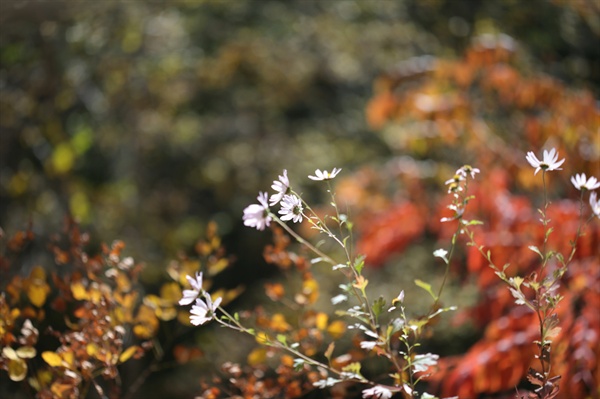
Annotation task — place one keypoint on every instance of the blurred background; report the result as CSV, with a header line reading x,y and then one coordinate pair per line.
x,y
146,120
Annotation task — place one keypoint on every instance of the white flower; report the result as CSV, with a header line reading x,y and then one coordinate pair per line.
x,y
441,253
467,170
580,182
595,204
257,215
368,345
549,162
377,392
291,208
282,187
324,175
339,299
190,296
204,311
457,178
422,362
399,298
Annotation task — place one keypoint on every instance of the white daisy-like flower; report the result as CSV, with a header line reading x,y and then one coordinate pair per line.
x,y
190,296
324,175
595,204
467,170
549,161
399,298
258,215
204,311
457,178
281,186
291,208
377,392
582,183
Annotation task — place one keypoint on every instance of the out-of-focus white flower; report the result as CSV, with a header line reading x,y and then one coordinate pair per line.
x,y
257,215
281,186
377,392
368,345
324,175
582,183
291,208
549,161
467,170
204,311
595,204
190,296
422,362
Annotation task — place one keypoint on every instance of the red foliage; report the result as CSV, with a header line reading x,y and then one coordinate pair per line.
x,y
391,231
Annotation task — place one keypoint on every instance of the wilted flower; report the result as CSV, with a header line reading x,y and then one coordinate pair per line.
x,y
257,215
549,162
281,187
595,204
190,295
324,175
204,311
291,208
581,183
377,392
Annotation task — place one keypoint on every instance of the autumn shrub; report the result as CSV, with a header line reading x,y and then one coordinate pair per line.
x,y
509,226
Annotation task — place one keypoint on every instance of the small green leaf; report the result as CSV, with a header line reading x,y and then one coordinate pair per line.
x,y
536,250
426,287
378,306
359,263
282,339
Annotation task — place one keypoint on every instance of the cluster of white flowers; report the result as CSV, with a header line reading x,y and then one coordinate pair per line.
x,y
454,184
260,216
580,181
204,309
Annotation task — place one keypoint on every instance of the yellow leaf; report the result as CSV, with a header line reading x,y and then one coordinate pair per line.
x,y
91,349
310,288
79,292
262,338
279,324
166,314
52,358
322,319
68,358
9,353
37,292
147,323
63,158
218,266
26,352
337,329
170,293
127,354
38,273
257,356
17,369
123,282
